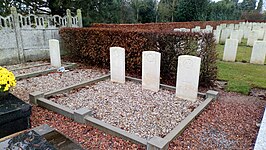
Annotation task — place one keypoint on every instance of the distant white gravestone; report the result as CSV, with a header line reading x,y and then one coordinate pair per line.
x,y
253,36
151,63
54,49
258,52
117,64
187,80
230,50
234,34
225,34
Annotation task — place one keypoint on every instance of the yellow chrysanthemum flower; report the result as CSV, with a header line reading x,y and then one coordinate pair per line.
x,y
7,79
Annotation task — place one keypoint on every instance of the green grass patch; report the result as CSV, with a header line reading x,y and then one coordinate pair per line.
x,y
242,77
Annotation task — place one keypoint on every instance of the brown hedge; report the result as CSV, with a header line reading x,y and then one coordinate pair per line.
x,y
92,46
169,26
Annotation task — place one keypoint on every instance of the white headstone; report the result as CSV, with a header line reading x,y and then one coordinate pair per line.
x,y
240,35
54,49
258,52
151,63
209,28
225,35
187,80
219,27
247,31
223,26
237,26
117,64
231,26
195,29
253,36
230,50
234,34
264,38
260,33
216,34
181,30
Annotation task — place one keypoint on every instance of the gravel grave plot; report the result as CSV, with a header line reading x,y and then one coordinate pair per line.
x,y
55,80
27,64
127,106
231,122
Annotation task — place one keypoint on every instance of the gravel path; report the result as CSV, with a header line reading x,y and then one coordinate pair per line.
x,y
54,81
229,123
127,106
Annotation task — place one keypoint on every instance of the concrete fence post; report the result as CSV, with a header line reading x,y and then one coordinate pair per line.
x,y
79,15
69,18
18,34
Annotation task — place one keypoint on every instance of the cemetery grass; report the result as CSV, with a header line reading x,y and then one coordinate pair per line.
x,y
242,77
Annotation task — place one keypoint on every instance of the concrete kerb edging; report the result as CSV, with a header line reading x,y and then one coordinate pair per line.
x,y
82,84
34,74
27,67
83,115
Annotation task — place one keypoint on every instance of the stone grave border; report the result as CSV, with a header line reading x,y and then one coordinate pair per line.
x,y
27,67
83,115
41,72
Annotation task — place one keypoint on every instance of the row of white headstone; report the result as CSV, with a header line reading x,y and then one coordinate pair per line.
x,y
257,56
250,31
188,71
208,29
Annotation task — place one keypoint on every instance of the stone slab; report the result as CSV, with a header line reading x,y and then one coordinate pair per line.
x,y
151,63
253,36
258,52
187,79
117,64
54,49
230,50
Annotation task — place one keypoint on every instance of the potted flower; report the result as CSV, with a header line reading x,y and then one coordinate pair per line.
x,y
7,81
14,113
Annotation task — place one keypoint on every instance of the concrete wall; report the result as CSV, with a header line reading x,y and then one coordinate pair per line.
x,y
26,38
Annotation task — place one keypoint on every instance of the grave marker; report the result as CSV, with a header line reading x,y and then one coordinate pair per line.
x,y
54,49
234,34
252,38
258,52
187,81
117,64
225,35
230,50
151,62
